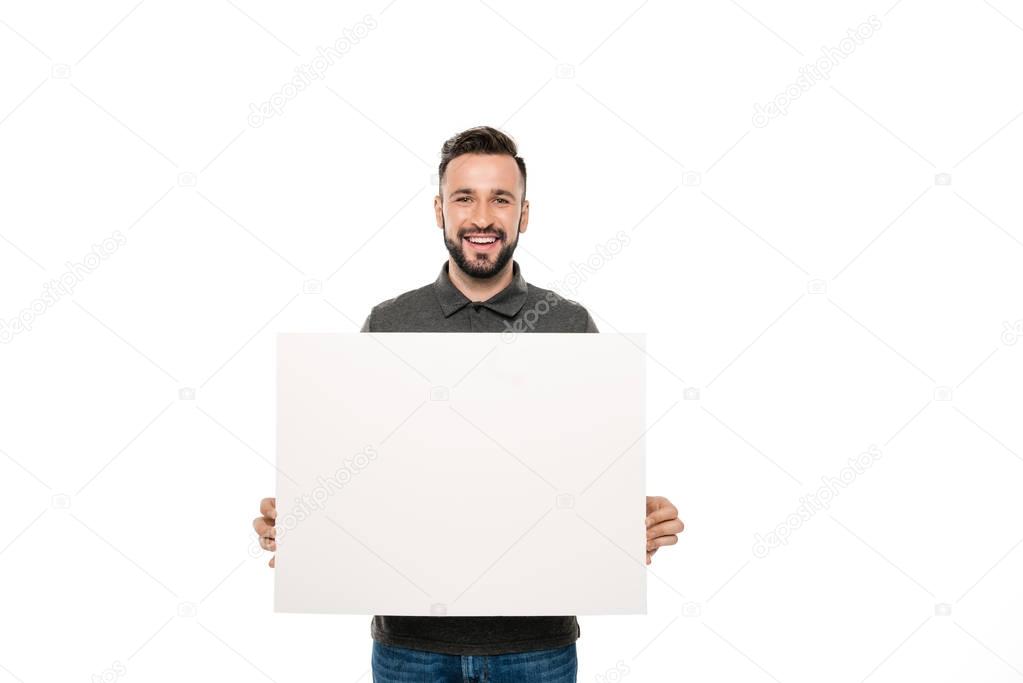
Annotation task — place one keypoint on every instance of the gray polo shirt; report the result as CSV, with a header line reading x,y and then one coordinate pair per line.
x,y
441,307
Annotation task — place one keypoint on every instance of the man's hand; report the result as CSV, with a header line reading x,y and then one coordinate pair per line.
x,y
662,524
264,525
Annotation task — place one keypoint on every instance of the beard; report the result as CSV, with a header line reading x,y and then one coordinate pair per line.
x,y
482,265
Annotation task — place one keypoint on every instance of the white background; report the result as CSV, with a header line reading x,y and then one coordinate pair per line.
x,y
810,278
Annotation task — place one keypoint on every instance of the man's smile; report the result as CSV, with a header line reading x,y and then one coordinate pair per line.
x,y
482,241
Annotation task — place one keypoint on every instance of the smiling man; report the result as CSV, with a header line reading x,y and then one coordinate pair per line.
x,y
482,211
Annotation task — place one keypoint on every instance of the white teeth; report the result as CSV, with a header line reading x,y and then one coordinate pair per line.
x,y
480,240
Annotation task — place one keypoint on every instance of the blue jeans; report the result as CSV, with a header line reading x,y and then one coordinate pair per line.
x,y
401,665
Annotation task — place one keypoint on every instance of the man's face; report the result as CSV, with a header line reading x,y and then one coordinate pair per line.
x,y
481,198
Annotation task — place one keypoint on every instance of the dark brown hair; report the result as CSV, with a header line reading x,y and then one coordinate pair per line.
x,y
479,140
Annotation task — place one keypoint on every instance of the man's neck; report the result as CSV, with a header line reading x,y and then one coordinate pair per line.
x,y
479,289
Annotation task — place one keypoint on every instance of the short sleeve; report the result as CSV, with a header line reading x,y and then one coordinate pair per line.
x,y
590,325
365,325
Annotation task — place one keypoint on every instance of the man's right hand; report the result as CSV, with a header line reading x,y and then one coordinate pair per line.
x,y
264,526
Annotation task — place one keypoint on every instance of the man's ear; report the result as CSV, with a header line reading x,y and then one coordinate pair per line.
x,y
438,210
524,216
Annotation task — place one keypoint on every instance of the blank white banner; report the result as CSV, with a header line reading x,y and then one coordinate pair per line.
x,y
461,474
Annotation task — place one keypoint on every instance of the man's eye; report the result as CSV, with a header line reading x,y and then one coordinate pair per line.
x,y
461,198
502,199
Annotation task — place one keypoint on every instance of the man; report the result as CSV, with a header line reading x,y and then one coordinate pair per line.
x,y
481,210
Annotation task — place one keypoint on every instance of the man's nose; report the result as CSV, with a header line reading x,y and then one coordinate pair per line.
x,y
481,216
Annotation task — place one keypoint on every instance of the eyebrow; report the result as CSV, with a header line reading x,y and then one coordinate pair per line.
x,y
493,193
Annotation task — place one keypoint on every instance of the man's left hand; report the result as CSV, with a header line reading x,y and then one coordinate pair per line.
x,y
662,524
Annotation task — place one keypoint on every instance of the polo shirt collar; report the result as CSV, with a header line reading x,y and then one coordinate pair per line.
x,y
507,302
